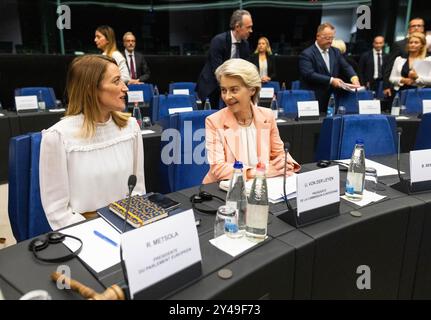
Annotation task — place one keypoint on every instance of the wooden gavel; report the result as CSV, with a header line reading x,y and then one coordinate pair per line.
x,y
114,292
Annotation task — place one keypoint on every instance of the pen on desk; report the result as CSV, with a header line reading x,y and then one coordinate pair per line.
x,y
101,236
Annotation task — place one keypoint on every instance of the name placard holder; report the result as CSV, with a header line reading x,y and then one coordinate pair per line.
x,y
308,110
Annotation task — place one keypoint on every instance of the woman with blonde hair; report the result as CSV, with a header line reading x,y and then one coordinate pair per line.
x,y
243,131
104,39
87,157
405,74
263,59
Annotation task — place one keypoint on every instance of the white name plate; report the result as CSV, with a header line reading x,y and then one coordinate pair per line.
x,y
420,165
135,96
317,188
179,110
369,107
426,106
26,103
266,92
308,108
181,91
159,250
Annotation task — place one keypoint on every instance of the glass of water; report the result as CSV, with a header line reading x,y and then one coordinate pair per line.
x,y
372,180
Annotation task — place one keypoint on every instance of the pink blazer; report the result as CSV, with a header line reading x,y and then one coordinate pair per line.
x,y
222,142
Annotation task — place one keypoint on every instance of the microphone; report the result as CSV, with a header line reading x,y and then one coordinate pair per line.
x,y
131,184
399,132
286,150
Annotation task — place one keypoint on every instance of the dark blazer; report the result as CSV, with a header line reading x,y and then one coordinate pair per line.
x,y
398,49
219,52
314,75
254,58
142,70
366,66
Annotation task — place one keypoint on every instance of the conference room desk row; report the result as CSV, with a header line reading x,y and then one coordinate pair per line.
x,y
383,254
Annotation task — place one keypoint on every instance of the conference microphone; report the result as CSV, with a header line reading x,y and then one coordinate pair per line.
x,y
399,132
131,183
286,150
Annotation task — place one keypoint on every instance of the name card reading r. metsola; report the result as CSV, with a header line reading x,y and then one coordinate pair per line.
x,y
161,249
317,188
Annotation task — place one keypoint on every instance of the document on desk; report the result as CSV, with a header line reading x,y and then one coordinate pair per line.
x,y
147,131
101,243
232,246
381,169
367,198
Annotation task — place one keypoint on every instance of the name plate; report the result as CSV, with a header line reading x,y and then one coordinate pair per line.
x,y
308,109
420,165
26,103
426,106
369,107
317,188
179,110
266,93
159,250
135,96
181,91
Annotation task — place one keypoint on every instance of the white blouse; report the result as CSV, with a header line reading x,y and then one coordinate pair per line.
x,y
79,175
248,143
122,65
395,77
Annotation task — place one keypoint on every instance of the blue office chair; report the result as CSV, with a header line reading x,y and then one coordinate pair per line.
x,y
25,208
183,152
272,84
288,100
162,103
295,85
191,86
338,136
412,99
350,99
47,94
423,140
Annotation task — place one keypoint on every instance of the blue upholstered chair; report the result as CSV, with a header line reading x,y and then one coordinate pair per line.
x,y
288,100
412,99
191,86
350,99
338,136
25,208
183,152
423,140
295,85
162,103
47,94
272,84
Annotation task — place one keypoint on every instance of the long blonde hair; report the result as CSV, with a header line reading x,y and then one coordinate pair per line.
x,y
268,47
109,34
83,80
422,39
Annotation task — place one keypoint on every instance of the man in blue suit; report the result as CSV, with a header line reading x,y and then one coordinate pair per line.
x,y
224,46
321,65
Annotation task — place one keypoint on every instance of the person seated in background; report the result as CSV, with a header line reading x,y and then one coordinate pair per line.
x,y
87,157
371,64
341,45
138,67
404,74
243,131
263,59
105,41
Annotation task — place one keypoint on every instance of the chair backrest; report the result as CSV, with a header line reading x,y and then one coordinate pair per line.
x,y
423,140
25,209
162,103
272,84
350,99
412,99
295,85
191,86
184,161
47,94
338,136
288,100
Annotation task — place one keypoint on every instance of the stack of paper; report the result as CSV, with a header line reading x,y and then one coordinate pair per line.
x,y
381,169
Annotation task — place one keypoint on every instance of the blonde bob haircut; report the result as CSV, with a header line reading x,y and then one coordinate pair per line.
x,y
245,71
109,34
422,39
268,47
84,77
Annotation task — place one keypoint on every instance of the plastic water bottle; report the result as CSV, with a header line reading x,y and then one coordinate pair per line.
x,y
395,110
356,172
258,207
274,107
207,105
137,114
156,90
331,106
40,102
237,199
283,86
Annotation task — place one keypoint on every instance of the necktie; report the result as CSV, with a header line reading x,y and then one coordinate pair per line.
x,y
132,67
326,59
236,54
379,65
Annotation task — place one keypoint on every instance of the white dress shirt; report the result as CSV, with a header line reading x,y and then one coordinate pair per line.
x,y
325,58
233,46
376,66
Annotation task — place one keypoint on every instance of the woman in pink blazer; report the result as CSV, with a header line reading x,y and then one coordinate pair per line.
x,y
243,131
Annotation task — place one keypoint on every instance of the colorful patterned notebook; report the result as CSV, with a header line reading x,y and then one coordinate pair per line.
x,y
142,211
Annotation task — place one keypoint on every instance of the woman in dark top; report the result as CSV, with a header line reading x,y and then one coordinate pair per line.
x,y
263,59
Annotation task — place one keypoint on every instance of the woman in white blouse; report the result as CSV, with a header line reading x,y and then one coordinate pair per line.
x,y
104,38
405,73
88,156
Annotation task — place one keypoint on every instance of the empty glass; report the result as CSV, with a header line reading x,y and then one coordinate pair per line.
x,y
341,110
146,122
372,180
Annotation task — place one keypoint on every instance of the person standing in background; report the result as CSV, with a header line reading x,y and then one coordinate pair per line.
x,y
138,67
371,64
263,59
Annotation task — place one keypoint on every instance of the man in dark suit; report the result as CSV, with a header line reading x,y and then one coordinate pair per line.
x,y
321,65
138,68
399,49
224,46
371,64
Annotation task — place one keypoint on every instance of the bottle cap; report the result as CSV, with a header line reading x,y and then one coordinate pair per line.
x,y
359,141
238,165
260,166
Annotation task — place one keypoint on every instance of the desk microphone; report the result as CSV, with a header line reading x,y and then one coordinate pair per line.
x,y
286,150
399,132
131,184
